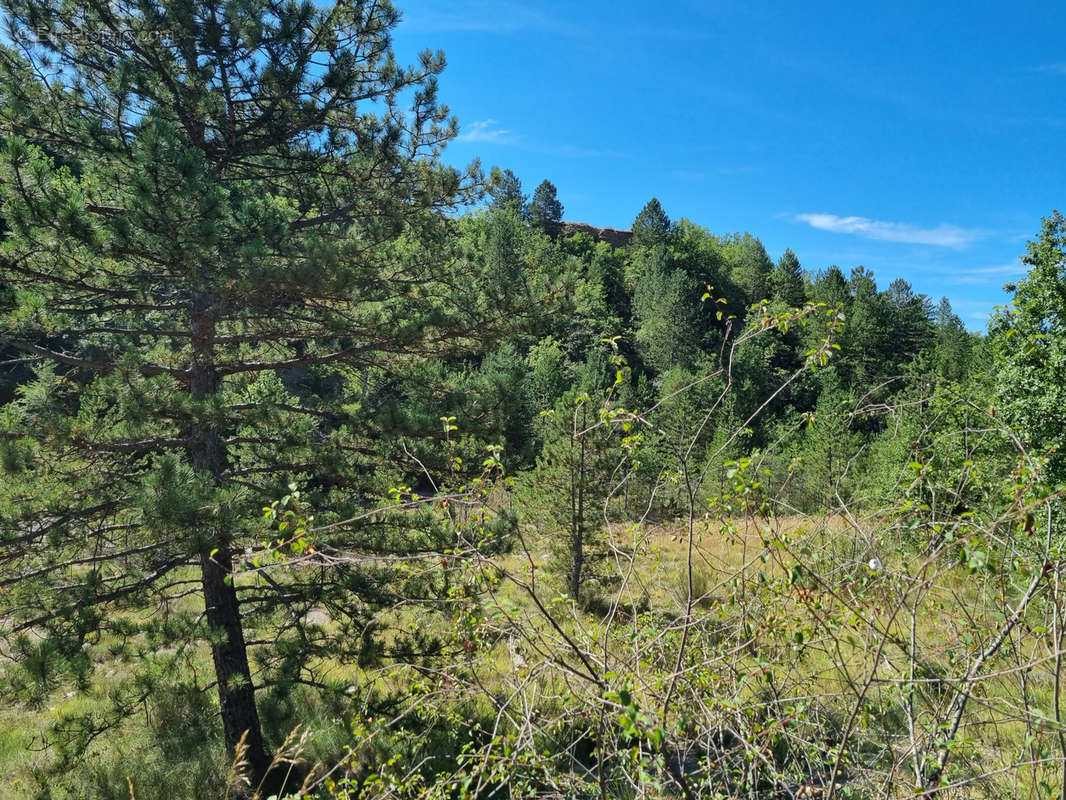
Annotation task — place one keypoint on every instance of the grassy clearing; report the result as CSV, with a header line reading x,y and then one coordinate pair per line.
x,y
883,651
835,637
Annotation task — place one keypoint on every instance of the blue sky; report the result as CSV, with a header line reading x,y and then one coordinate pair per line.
x,y
921,140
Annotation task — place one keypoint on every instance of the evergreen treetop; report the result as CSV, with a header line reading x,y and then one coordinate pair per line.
x,y
505,189
786,280
545,210
651,225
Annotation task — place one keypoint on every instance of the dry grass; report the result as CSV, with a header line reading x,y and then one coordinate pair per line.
x,y
857,627
870,637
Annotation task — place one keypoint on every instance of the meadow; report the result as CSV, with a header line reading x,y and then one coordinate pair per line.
x,y
725,662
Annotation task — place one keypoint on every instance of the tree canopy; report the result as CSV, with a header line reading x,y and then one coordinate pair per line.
x,y
545,210
651,225
1029,339
302,426
214,250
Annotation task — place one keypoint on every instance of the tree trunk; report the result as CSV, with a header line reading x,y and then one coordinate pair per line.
x,y
229,651
577,522
236,694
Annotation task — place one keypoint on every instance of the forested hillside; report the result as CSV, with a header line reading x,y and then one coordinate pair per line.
x,y
332,470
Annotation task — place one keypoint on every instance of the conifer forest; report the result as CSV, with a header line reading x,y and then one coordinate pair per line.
x,y
331,469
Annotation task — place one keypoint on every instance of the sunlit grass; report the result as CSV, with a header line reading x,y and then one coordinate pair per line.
x,y
852,657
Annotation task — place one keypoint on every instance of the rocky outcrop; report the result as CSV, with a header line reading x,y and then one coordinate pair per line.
x,y
613,237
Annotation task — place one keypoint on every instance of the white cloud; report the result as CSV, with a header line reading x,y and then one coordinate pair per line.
x,y
989,275
488,131
485,130
941,236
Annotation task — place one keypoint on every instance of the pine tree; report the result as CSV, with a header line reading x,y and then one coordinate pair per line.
x,y
545,210
581,466
830,286
666,304
651,226
786,280
953,349
749,266
506,192
216,254
912,320
868,347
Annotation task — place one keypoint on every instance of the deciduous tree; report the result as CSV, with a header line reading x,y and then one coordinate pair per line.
x,y
1029,345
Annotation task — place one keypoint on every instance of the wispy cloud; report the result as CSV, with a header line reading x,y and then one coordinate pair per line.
x,y
486,130
988,275
1054,69
941,236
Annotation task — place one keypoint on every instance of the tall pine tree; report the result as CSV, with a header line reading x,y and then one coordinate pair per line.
x,y
545,210
786,280
226,229
505,189
651,225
